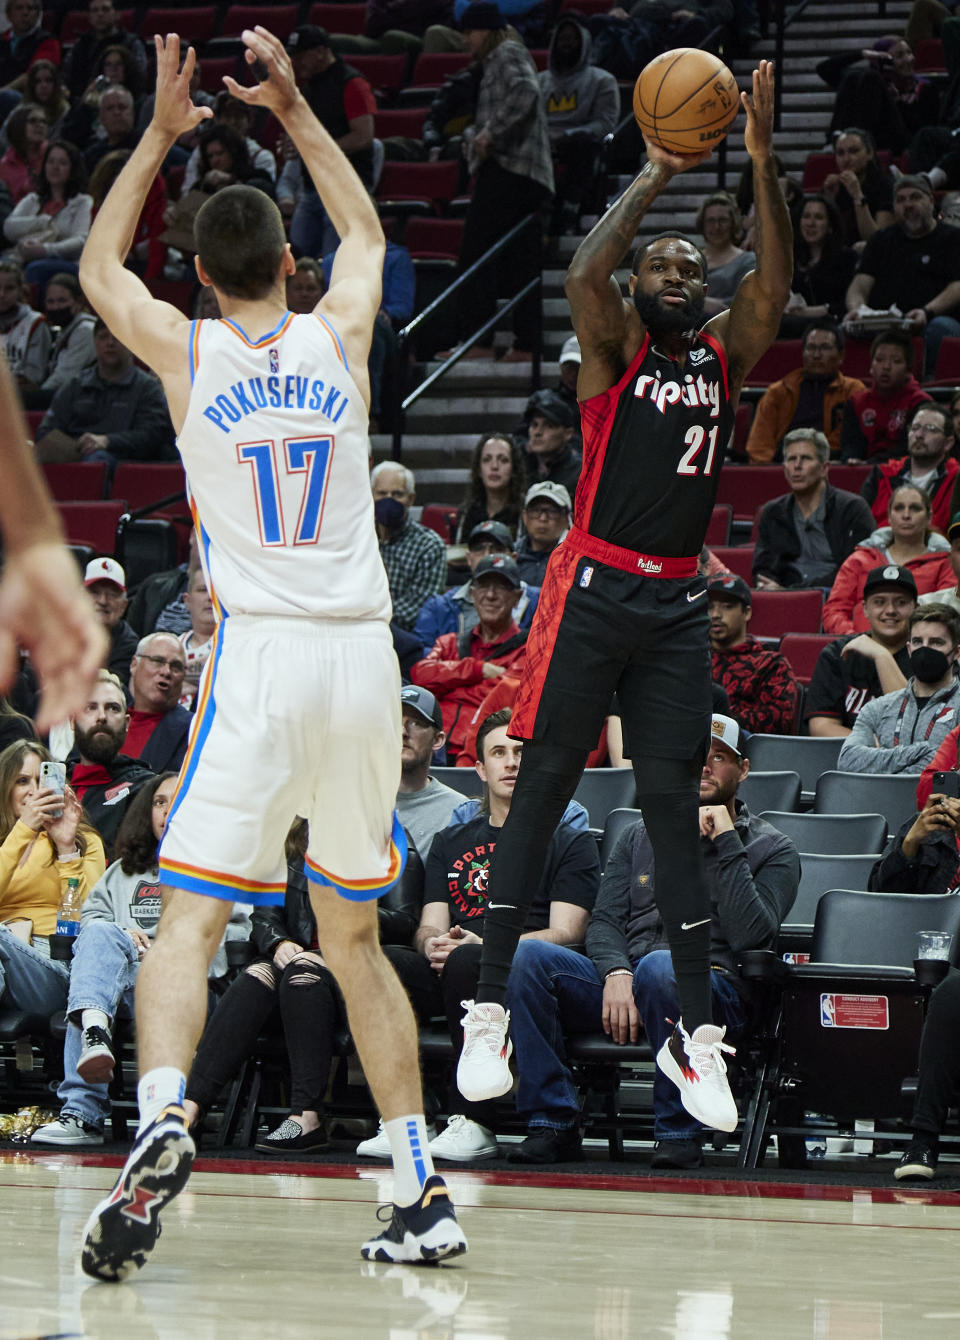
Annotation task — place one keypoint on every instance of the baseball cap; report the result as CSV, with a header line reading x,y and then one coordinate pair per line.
x,y
481,16
890,574
728,732
552,406
105,570
725,584
423,703
570,352
556,493
500,565
491,530
307,38
954,525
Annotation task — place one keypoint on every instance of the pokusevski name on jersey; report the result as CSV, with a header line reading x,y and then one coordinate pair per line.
x,y
695,390
275,392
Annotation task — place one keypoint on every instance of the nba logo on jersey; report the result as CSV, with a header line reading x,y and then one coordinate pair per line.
x,y
274,360
585,576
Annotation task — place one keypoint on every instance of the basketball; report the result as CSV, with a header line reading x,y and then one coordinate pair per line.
x,y
686,100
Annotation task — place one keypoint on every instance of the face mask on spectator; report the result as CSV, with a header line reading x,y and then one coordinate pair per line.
x,y
389,513
928,664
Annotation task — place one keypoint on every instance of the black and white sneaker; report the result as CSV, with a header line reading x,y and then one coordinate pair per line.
x,y
918,1162
124,1228
97,1061
425,1231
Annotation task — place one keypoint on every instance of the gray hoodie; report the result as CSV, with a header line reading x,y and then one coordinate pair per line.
x,y
584,101
900,732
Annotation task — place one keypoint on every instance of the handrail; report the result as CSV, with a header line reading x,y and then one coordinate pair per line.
x,y
441,301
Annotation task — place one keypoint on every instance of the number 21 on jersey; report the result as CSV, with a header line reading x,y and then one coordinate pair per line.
x,y
693,441
306,456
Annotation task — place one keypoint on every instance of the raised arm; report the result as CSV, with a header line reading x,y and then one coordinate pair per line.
x,y
750,325
155,331
353,298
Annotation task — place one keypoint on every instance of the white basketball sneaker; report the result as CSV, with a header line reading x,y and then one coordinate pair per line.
x,y
483,1070
696,1066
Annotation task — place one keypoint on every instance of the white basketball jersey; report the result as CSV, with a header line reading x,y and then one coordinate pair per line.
x,y
275,448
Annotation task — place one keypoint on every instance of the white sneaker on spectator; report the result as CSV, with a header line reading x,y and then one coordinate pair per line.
x,y
483,1070
463,1141
696,1066
378,1146
67,1130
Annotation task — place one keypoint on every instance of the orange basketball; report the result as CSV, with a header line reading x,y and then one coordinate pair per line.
x,y
686,100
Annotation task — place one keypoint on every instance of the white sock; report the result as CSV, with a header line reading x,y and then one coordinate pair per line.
x,y
95,1019
157,1090
412,1164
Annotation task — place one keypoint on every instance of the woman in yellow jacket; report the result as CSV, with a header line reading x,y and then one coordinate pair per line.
x,y
38,855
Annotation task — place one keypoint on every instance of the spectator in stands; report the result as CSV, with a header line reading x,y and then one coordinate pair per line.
x,y
823,265
44,88
873,419
625,980
197,642
289,974
157,604
25,41
115,127
104,778
508,153
908,541
455,611
451,110
224,160
582,104
71,326
913,265
719,223
231,112
343,102
758,682
442,968
424,805
117,928
44,841
24,335
148,253
930,465
414,556
546,519
860,189
82,61
106,582
855,669
394,27
900,731
921,858
305,287
570,371
26,130
159,726
804,536
886,96
50,225
812,396
459,666
949,595
113,411
552,426
496,487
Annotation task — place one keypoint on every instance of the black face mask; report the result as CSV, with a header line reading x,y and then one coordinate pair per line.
x,y
389,513
928,665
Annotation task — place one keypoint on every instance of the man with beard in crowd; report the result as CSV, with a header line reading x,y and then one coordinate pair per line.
x,y
622,609
105,781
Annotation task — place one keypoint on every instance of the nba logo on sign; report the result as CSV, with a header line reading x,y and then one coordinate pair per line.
x,y
274,360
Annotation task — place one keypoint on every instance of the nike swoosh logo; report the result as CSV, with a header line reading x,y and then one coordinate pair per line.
x,y
697,596
689,925
491,906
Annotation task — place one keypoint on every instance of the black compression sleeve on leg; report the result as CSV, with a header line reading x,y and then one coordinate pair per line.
x,y
548,777
668,794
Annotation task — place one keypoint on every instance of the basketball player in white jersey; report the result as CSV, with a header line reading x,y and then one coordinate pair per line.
x,y
298,707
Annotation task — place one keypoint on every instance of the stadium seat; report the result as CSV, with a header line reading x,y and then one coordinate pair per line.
x,y
146,546
407,121
76,22
741,428
212,70
177,292
601,790
718,531
816,169
282,20
892,794
810,755
779,612
76,481
928,57
194,25
782,357
802,651
440,518
92,523
737,558
428,238
342,19
770,791
856,360
849,477
747,487
464,780
831,834
433,67
820,871
144,483
617,822
948,361
384,74
417,187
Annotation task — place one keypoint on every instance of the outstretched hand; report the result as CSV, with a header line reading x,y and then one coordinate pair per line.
x,y
674,163
758,132
174,111
278,90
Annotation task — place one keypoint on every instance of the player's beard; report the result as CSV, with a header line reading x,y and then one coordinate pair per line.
x,y
673,320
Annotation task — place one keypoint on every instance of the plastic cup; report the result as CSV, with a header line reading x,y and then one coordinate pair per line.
x,y
934,944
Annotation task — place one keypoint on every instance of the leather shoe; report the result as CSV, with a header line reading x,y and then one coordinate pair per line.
x,y
546,1145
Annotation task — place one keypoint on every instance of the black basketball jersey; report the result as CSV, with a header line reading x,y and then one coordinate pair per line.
x,y
653,445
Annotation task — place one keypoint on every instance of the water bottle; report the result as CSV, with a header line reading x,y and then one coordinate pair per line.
x,y
68,913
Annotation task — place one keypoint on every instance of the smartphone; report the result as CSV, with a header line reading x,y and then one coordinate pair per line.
x,y
944,784
54,776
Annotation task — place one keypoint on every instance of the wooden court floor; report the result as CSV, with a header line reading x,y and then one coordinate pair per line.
x,y
275,1254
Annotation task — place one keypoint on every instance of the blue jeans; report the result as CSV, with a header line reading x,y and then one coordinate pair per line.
x,y
104,973
311,231
29,980
552,990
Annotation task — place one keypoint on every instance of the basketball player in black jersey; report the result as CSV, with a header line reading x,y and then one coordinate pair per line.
x,y
622,608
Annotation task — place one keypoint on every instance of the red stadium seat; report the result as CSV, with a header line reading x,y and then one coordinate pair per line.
x,y
177,292
384,74
802,650
407,121
433,67
441,518
427,187
212,70
928,57
816,170
142,483
77,22
282,19
741,427
92,523
948,361
849,477
193,25
736,558
718,531
782,357
341,19
76,481
856,358
433,239
776,613
748,487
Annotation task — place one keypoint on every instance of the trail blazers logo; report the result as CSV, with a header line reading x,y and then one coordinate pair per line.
x,y
468,880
